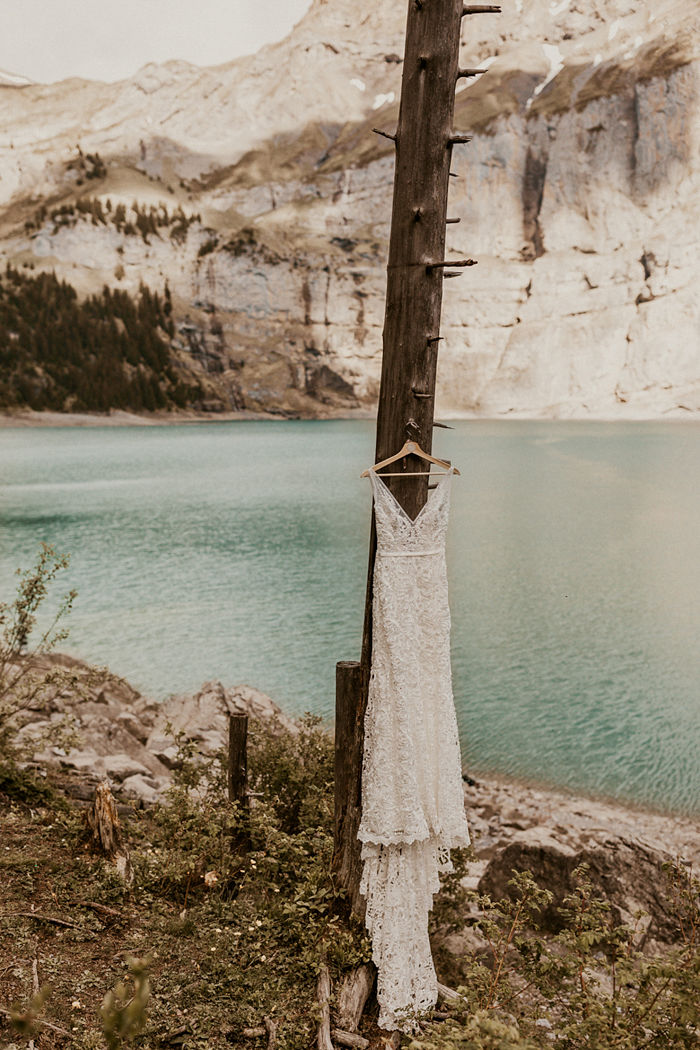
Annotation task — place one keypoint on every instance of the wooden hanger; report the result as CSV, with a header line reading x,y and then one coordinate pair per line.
x,y
411,448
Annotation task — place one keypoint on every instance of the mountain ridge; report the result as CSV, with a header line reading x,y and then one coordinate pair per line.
x,y
584,163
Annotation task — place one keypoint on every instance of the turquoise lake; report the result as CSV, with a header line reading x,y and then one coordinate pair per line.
x,y
238,551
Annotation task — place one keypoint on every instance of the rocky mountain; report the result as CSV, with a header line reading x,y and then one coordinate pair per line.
x,y
259,192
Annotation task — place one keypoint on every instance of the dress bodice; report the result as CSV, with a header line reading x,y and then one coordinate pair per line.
x,y
399,534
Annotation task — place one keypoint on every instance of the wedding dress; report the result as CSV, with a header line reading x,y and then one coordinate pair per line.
x,y
412,793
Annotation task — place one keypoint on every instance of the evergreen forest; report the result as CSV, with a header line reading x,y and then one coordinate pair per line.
x,y
108,351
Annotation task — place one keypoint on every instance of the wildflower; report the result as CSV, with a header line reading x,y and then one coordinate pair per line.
x,y
210,879
76,1005
258,922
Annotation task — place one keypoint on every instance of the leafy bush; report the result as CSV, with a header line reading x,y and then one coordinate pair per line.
x,y
588,987
22,682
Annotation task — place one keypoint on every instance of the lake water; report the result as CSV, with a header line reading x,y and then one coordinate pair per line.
x,y
238,551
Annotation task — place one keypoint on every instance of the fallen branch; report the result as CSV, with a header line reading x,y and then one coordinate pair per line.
x,y
271,1028
254,1033
354,993
447,994
42,918
323,994
350,1039
102,909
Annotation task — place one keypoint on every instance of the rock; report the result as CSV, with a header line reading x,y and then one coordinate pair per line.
x,y
123,734
627,873
88,763
121,766
203,718
133,725
165,751
578,195
143,789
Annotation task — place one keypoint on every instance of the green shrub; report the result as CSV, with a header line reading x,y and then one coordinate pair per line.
x,y
589,988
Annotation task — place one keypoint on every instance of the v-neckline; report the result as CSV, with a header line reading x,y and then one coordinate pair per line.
x,y
431,493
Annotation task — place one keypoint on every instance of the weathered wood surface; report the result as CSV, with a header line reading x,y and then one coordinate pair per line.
x,y
347,865
354,993
323,995
419,211
107,836
349,1039
415,275
238,759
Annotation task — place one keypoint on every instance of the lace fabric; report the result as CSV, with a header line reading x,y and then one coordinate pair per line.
x,y
412,794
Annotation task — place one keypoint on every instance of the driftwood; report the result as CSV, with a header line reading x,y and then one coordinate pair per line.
x,y
354,993
350,1039
102,820
323,994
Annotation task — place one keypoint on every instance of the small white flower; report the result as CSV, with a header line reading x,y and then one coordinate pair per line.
x,y
258,922
76,1005
210,879
263,958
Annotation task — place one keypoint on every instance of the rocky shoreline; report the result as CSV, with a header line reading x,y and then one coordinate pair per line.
x,y
119,418
129,740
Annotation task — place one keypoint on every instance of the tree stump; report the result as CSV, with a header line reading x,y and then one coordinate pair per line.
x,y
107,836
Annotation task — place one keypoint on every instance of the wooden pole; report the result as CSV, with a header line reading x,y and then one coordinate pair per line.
x,y
238,759
417,267
348,774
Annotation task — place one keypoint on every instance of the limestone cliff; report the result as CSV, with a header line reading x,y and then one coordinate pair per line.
x,y
259,191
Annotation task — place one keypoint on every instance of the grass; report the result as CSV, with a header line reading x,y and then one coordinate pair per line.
x,y
227,935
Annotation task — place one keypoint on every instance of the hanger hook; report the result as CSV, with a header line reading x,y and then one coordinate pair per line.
x,y
412,430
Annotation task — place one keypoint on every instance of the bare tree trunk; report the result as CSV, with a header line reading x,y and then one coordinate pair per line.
x,y
417,267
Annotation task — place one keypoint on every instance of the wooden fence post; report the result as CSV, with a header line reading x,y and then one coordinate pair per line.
x,y
348,779
238,759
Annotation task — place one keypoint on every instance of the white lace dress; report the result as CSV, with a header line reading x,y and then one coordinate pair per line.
x,y
412,793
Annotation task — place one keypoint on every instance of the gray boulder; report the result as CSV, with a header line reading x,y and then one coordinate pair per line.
x,y
626,872
203,718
